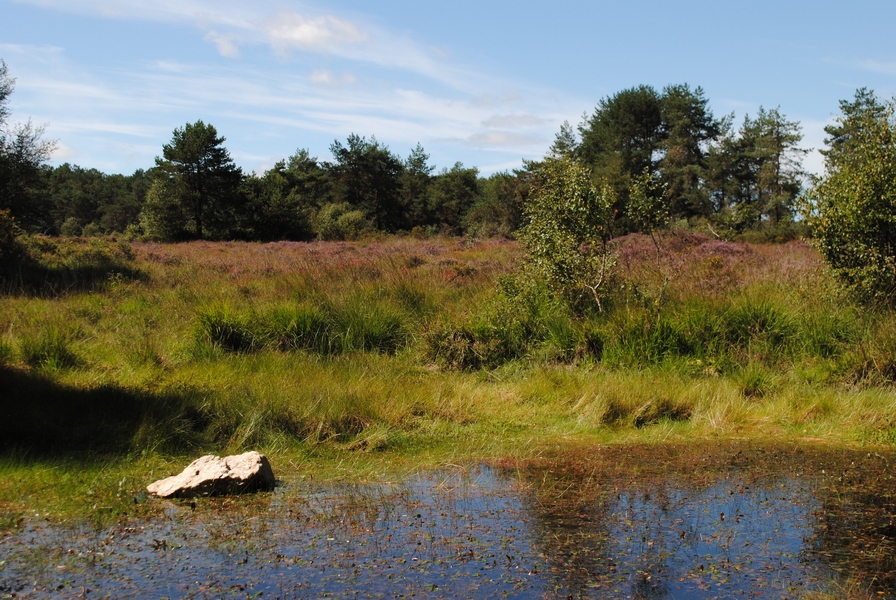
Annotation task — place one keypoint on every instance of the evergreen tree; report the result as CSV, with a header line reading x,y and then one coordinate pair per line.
x,y
688,130
565,142
415,182
620,141
367,177
207,180
452,193
865,109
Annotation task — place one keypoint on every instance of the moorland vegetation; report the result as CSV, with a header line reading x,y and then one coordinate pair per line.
x,y
366,314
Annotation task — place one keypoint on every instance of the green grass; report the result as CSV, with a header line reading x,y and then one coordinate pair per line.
x,y
363,359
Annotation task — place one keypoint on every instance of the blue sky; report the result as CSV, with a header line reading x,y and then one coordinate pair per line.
x,y
484,83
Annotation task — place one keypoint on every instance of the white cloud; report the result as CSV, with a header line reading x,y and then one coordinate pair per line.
x,y
225,42
63,153
813,139
269,106
232,23
321,34
507,165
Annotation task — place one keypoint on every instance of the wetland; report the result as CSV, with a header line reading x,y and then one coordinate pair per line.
x,y
704,520
724,427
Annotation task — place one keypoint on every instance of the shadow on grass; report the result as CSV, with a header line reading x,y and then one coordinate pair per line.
x,y
35,279
41,418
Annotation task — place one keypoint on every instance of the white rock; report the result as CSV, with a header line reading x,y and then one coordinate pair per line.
x,y
214,476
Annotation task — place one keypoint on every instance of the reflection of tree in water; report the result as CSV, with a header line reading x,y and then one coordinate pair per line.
x,y
855,528
659,522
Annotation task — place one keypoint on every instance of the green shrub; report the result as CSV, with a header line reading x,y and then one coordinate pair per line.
x,y
70,228
853,206
162,217
566,233
10,248
341,222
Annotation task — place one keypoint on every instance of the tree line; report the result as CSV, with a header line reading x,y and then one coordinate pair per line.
x,y
695,167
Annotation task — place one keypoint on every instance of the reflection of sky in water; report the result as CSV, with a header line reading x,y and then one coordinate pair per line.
x,y
686,544
478,534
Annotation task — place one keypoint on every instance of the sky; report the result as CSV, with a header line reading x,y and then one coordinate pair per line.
x,y
483,82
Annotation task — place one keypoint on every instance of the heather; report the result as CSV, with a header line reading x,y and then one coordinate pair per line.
x,y
361,357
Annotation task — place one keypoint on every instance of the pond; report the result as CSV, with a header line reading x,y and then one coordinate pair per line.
x,y
690,521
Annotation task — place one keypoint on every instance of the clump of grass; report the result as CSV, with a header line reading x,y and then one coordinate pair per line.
x,y
754,380
223,328
519,321
50,348
355,325
621,403
6,352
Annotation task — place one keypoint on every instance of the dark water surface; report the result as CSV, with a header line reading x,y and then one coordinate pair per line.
x,y
707,521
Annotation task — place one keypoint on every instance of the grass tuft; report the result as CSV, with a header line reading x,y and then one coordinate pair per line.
x,y
49,348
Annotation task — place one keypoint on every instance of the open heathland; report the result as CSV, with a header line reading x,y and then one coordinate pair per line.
x,y
352,359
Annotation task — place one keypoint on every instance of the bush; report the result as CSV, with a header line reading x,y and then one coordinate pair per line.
x,y
340,222
853,206
162,217
70,228
566,233
10,248
522,320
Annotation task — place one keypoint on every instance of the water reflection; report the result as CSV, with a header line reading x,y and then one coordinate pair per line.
x,y
669,522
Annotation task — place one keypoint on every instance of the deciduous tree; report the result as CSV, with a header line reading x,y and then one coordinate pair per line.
x,y
566,232
853,206
22,154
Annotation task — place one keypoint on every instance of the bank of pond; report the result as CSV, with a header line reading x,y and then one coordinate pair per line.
x,y
700,520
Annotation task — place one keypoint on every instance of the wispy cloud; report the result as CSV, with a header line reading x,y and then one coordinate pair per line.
x,y
407,94
504,140
488,100
511,121
331,81
230,24
877,66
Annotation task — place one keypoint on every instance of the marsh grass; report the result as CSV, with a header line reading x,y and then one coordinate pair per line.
x,y
410,352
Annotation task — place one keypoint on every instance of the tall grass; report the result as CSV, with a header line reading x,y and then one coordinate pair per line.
x,y
408,345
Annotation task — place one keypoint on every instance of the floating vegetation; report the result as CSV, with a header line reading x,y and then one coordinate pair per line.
x,y
694,521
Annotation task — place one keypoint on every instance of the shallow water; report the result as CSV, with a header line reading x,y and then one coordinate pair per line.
x,y
647,522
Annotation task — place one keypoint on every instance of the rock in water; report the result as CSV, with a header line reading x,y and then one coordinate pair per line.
x,y
215,476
